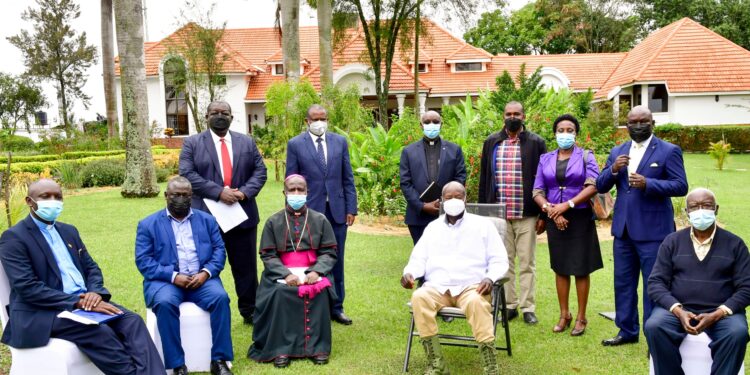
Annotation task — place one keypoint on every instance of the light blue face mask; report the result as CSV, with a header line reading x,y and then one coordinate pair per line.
x,y
296,201
431,131
48,210
565,140
702,219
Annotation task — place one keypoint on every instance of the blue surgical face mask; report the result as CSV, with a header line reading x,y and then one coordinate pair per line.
x,y
48,210
296,201
431,131
565,140
702,219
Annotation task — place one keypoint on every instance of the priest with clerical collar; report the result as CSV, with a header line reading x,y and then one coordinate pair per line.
x,y
292,317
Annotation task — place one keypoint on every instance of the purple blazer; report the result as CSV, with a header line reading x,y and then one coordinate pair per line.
x,y
575,176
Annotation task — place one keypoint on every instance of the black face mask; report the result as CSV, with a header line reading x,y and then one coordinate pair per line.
x,y
513,124
640,132
219,123
179,206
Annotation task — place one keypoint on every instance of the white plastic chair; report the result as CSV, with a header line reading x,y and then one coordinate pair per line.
x,y
59,357
696,356
195,333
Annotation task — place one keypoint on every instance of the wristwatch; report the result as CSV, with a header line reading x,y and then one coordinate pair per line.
x,y
571,204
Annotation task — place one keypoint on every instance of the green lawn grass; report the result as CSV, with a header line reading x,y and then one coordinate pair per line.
x,y
375,343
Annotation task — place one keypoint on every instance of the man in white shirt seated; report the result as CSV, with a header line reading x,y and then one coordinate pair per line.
x,y
460,256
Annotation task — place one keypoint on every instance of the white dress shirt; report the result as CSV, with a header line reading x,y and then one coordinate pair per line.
x,y
454,257
315,144
637,150
217,144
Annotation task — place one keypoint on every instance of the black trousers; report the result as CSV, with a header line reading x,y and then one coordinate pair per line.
x,y
339,231
118,347
242,255
416,232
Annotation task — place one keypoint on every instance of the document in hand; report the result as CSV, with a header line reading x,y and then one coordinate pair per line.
x,y
228,216
87,317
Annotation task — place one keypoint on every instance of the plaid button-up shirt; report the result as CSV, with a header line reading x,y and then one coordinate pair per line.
x,y
509,177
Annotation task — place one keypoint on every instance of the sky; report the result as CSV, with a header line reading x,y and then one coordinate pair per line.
x,y
162,19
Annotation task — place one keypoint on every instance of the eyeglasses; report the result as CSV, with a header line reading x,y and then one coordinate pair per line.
x,y
428,122
639,123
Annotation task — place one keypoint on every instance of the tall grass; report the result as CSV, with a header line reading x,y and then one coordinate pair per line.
x,y
69,174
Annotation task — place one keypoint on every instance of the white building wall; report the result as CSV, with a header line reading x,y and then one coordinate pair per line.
x,y
705,110
234,94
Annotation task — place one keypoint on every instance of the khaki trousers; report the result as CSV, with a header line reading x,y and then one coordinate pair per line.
x,y
520,241
427,301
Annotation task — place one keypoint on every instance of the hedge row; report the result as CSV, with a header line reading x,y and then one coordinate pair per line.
x,y
697,138
73,155
40,166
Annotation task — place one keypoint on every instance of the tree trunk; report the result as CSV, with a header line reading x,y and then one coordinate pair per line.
x,y
140,176
108,64
290,38
325,17
417,24
64,109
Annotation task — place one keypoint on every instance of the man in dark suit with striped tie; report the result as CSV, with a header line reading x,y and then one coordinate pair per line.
x,y
226,166
323,159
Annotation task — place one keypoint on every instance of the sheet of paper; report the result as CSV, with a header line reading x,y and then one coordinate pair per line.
x,y
299,272
228,216
75,318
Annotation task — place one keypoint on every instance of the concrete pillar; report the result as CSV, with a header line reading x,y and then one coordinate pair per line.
x,y
616,108
400,98
644,95
422,100
446,100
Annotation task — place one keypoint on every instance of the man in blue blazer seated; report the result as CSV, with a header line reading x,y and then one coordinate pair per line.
x,y
226,166
180,253
50,270
700,283
322,158
647,172
430,160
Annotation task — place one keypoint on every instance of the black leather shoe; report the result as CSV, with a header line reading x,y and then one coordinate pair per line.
x,y
512,314
320,359
619,340
220,368
341,318
530,318
180,370
281,361
248,320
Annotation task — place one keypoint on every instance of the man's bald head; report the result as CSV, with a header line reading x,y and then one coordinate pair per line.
x,y
431,116
178,183
43,190
640,113
454,189
219,104
43,185
698,196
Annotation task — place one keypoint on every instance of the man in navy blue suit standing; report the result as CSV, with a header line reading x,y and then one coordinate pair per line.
x,y
226,166
647,172
323,159
430,160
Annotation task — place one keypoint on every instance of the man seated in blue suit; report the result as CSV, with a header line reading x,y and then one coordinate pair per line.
x,y
430,160
180,253
322,158
648,172
50,270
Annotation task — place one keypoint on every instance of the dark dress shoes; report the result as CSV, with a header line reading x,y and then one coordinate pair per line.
x,y
619,340
180,370
220,368
530,318
341,318
320,359
281,361
512,314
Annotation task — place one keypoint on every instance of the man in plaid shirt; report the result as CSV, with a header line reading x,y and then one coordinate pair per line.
x,y
509,161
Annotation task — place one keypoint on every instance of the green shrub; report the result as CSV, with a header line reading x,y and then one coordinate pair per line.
x,y
719,152
103,172
72,155
68,174
28,158
163,174
15,143
697,138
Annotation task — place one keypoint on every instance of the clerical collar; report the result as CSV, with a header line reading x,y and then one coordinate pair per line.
x,y
431,142
301,212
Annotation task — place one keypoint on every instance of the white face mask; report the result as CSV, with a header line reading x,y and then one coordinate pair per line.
x,y
318,127
454,207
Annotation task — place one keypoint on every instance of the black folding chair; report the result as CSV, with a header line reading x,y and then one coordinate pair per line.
x,y
498,303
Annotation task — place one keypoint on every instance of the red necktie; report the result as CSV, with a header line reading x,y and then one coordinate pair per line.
x,y
226,163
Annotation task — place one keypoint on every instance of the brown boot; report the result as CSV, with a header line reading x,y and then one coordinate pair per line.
x,y
488,358
435,362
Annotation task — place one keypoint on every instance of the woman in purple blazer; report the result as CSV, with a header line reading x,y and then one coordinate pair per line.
x,y
565,182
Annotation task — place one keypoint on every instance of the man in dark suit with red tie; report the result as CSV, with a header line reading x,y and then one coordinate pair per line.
x,y
226,166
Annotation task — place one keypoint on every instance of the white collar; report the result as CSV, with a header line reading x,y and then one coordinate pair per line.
x,y
217,139
315,137
643,144
457,224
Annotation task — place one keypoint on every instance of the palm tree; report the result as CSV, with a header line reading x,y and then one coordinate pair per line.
x,y
140,176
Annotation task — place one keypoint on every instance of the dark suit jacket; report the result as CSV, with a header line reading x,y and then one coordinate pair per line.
x,y
648,214
414,179
337,184
199,163
156,251
37,295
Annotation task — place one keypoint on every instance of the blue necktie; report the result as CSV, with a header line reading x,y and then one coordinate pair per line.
x,y
322,155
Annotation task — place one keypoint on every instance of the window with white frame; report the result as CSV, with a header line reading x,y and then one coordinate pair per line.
x,y
469,67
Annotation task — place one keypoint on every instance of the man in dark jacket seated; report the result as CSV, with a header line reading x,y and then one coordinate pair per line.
x,y
700,283
50,271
